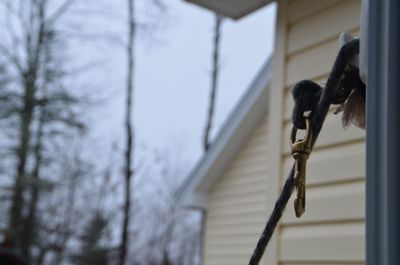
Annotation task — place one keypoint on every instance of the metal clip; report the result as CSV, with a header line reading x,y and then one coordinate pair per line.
x,y
301,150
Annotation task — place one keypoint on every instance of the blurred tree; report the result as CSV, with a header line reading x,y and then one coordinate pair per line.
x,y
91,250
165,232
210,116
129,132
129,171
36,106
214,81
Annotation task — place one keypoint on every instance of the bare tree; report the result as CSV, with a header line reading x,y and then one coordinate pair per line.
x,y
165,232
39,110
29,75
92,250
207,132
35,73
129,132
214,81
31,218
47,192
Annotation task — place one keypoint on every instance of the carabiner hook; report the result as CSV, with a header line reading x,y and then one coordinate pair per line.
x,y
305,144
301,150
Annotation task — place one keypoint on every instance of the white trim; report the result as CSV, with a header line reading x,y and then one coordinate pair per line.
x,y
232,9
240,124
275,126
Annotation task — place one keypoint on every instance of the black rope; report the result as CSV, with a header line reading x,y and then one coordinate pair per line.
x,y
308,96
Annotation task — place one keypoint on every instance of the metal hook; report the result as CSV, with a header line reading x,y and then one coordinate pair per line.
x,y
301,150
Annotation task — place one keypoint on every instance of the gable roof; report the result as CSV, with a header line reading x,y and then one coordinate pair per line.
x,y
240,124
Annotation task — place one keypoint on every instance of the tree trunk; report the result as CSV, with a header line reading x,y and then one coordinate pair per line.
x,y
17,202
41,256
214,79
30,220
206,139
129,134
33,52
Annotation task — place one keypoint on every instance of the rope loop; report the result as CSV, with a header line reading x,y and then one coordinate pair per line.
x,y
308,96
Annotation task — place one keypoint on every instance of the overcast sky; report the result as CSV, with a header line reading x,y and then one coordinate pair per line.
x,y
172,71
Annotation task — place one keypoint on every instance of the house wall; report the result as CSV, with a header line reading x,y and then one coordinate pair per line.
x,y
332,229
236,204
331,232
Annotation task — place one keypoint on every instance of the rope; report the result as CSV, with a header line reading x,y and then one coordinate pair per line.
x,y
308,96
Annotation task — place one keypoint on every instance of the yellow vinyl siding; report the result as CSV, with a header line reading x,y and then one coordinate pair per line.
x,y
323,25
331,232
332,242
342,163
332,229
236,206
297,9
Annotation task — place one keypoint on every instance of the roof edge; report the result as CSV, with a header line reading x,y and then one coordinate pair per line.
x,y
240,124
225,8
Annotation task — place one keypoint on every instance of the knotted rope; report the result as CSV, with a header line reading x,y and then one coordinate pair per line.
x,y
309,96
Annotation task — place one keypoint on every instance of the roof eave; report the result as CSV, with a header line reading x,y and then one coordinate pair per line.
x,y
232,9
194,200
